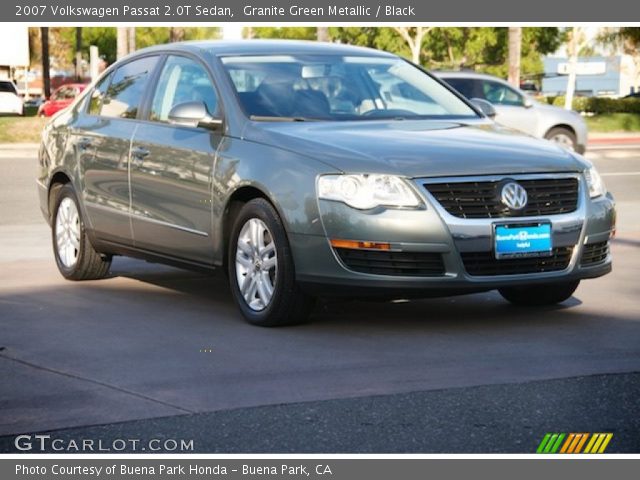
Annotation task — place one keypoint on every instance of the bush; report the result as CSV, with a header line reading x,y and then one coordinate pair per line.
x,y
599,105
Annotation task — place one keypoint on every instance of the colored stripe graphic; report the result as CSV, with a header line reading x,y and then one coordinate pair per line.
x,y
543,443
565,447
574,442
550,443
581,443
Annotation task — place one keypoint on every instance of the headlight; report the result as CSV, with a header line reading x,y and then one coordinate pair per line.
x,y
367,191
594,182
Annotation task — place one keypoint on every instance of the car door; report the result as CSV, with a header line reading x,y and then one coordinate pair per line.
x,y
53,105
511,110
171,167
103,143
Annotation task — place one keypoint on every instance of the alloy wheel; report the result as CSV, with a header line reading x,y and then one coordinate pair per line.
x,y
256,264
68,232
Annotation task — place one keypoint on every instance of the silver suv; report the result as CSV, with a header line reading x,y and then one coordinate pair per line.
x,y
515,109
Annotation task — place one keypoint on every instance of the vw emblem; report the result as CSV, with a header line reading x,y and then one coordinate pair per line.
x,y
514,196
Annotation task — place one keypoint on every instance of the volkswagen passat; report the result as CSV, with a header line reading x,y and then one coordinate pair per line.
x,y
307,169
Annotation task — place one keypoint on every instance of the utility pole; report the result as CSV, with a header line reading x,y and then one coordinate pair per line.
x,y
515,46
46,78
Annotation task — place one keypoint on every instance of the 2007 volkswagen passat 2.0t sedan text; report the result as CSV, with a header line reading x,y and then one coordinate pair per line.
x,y
309,169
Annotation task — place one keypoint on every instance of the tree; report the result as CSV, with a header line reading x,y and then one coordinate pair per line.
x,y
78,59
576,40
46,79
322,34
131,40
176,34
515,45
296,33
413,36
122,42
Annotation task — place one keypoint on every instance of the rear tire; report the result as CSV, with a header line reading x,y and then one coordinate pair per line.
x,y
538,295
261,269
75,256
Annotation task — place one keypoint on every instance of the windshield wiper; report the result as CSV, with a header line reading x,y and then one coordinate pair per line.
x,y
266,118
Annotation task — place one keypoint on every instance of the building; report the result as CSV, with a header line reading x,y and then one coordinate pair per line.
x,y
598,76
14,54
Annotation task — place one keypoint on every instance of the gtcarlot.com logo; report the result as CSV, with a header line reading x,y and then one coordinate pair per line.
x,y
574,443
47,443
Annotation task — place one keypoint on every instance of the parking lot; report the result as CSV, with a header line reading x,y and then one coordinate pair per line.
x,y
154,350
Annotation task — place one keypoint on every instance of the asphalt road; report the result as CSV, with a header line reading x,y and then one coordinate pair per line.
x,y
153,341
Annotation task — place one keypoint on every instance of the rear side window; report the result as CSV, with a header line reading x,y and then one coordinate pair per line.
x,y
182,80
7,87
98,94
127,88
466,86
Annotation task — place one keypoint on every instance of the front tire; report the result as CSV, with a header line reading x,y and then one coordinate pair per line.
x,y
538,295
75,256
261,269
563,137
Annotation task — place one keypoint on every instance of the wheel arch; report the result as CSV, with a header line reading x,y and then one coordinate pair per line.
x,y
58,179
560,125
240,196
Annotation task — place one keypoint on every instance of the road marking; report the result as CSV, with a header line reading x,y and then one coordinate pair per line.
x,y
619,174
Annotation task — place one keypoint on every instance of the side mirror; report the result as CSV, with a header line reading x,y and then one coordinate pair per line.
x,y
487,109
193,114
527,102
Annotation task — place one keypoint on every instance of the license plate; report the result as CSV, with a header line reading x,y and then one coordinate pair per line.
x,y
512,241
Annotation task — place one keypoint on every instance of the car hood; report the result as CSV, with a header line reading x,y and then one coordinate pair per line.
x,y
416,148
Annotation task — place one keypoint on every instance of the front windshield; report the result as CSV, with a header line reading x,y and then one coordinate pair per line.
x,y
334,87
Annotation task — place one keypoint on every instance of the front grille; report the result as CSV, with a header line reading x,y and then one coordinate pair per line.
x,y
485,263
413,264
594,253
546,196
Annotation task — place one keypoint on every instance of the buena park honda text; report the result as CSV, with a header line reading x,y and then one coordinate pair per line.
x,y
309,169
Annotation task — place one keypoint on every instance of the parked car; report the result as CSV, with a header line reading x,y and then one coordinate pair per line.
x,y
517,110
60,99
10,101
290,167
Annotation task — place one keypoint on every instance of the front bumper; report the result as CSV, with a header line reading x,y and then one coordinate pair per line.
x,y
433,229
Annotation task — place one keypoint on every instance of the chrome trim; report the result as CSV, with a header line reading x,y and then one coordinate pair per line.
x,y
139,216
476,234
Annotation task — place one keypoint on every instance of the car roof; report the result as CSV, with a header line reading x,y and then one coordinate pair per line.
x,y
262,47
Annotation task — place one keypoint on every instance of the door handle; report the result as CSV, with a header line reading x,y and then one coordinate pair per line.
x,y
84,143
139,153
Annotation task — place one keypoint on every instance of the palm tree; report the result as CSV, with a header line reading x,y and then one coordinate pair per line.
x,y
122,42
322,34
46,79
515,46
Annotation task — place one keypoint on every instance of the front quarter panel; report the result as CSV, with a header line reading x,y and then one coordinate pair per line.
x,y
285,178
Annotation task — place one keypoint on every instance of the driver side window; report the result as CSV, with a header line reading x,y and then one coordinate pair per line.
x,y
182,80
500,94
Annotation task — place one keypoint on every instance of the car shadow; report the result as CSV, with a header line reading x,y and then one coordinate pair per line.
x,y
212,290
